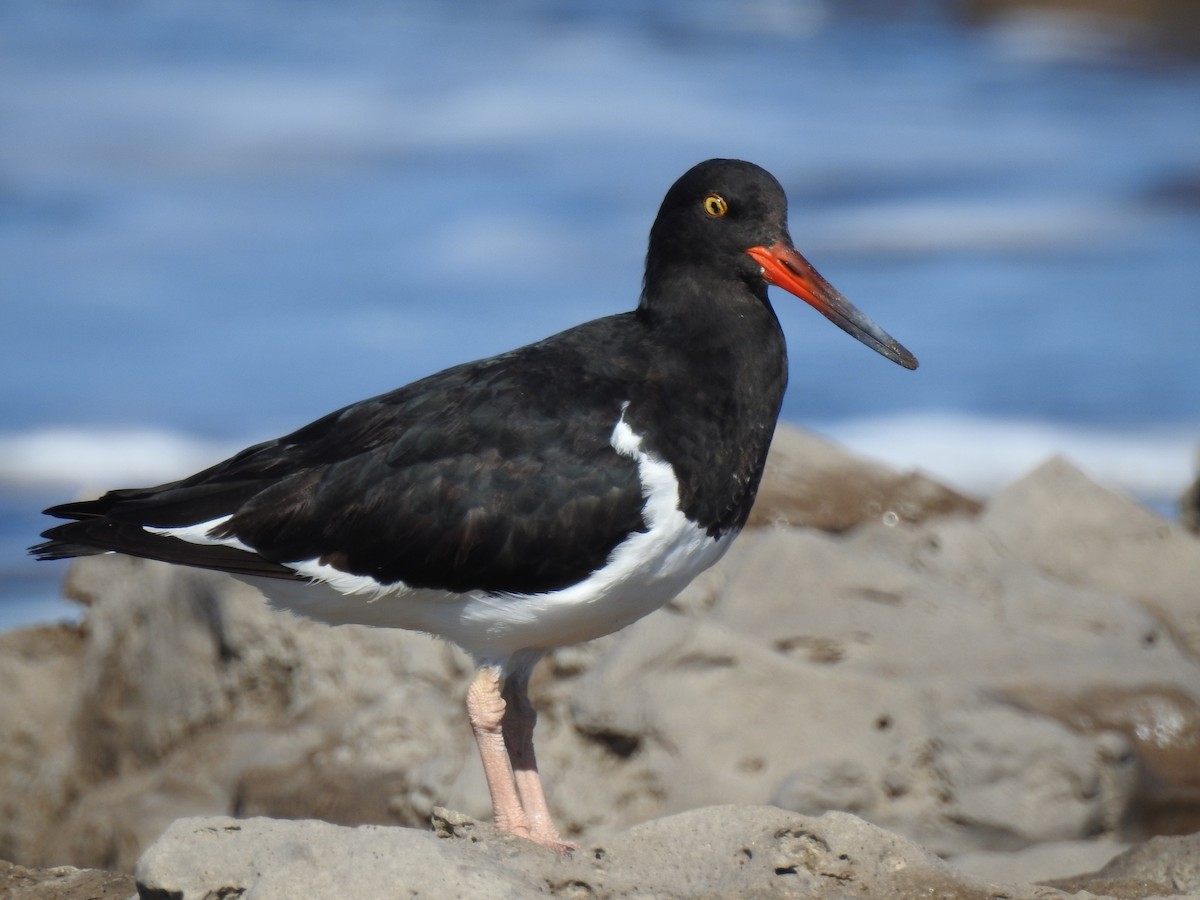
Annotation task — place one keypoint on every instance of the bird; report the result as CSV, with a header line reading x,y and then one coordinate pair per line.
x,y
542,497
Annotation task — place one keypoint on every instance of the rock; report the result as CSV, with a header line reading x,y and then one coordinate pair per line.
x,y
1038,862
182,671
948,768
720,851
827,784
62,883
1189,507
813,483
221,857
716,851
959,638
973,683
38,669
1067,527
1168,866
1160,723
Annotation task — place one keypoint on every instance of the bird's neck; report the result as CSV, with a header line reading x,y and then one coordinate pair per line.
x,y
723,352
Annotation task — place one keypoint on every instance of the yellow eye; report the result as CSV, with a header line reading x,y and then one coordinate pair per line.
x,y
715,205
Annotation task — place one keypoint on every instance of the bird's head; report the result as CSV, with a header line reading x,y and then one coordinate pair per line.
x,y
726,219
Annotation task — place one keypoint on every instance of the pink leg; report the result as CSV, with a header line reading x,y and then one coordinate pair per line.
x,y
485,709
517,725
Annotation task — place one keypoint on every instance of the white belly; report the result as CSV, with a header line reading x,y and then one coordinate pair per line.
x,y
643,573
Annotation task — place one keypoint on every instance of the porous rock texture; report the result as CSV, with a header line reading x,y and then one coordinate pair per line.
x,y
999,687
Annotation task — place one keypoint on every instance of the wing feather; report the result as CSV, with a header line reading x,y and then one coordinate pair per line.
x,y
487,476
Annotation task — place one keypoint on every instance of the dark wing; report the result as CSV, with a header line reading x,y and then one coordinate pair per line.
x,y
495,475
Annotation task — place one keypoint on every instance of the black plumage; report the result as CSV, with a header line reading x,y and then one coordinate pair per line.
x,y
500,475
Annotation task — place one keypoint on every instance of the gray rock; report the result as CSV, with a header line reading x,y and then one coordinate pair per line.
x,y
1061,522
723,851
176,671
1189,507
1162,866
1039,862
270,859
814,483
827,784
38,668
63,883
1171,861
971,683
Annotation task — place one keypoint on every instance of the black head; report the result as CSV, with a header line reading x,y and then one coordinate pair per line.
x,y
712,215
726,220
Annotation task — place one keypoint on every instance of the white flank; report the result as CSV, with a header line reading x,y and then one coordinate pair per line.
x,y
342,582
642,573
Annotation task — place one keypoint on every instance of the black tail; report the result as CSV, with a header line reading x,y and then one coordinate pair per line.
x,y
93,533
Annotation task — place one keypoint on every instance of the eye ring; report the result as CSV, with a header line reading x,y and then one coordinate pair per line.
x,y
715,206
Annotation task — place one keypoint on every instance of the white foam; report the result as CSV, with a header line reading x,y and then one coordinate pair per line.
x,y
78,459
986,224
979,455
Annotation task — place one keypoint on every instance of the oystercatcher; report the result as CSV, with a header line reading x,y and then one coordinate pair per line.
x,y
548,495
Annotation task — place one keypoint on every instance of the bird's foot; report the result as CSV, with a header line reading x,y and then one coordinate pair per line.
x,y
555,843
547,838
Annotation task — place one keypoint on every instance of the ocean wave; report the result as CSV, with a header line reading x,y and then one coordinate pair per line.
x,y
979,454
79,459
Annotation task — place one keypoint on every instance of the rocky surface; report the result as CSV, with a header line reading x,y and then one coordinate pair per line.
x,y
723,851
63,883
1014,688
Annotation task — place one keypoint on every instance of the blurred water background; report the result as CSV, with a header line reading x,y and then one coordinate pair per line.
x,y
220,220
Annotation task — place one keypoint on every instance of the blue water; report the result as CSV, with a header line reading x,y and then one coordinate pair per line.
x,y
220,220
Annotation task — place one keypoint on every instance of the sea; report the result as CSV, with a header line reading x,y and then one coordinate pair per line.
x,y
220,220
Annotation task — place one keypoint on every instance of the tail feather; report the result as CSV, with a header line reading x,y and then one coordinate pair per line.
x,y
94,534
60,549
168,506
